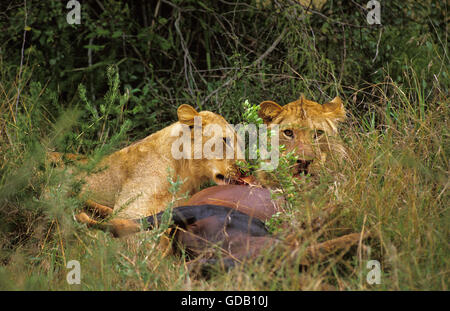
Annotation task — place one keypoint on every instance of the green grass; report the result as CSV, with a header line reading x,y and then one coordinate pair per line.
x,y
393,182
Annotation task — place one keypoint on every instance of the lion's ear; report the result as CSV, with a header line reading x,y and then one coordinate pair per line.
x,y
335,109
268,110
186,114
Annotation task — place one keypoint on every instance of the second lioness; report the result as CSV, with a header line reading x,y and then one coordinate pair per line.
x,y
308,129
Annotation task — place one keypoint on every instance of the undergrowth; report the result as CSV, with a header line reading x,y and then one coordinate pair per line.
x,y
392,183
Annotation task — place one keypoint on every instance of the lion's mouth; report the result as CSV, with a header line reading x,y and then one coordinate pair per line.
x,y
234,179
220,179
302,167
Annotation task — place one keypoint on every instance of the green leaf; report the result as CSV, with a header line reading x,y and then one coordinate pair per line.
x,y
94,47
117,34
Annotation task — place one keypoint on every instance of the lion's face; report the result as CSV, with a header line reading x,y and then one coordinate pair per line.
x,y
219,148
307,128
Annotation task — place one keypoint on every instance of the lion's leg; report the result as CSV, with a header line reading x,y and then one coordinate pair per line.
x,y
119,227
99,209
85,219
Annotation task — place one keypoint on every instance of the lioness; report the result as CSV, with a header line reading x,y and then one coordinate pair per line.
x,y
307,128
134,182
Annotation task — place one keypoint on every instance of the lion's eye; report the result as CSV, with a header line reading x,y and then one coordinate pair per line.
x,y
288,133
318,134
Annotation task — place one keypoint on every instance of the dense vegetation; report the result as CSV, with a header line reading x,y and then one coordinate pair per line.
x,y
94,87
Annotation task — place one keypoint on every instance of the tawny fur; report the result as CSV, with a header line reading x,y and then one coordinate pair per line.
x,y
313,128
134,181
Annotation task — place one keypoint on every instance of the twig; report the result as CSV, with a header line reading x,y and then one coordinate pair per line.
x,y
269,50
188,64
91,40
100,5
378,44
156,13
21,58
218,89
360,242
255,63
344,54
144,14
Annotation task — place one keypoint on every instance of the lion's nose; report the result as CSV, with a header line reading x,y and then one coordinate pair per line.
x,y
302,166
